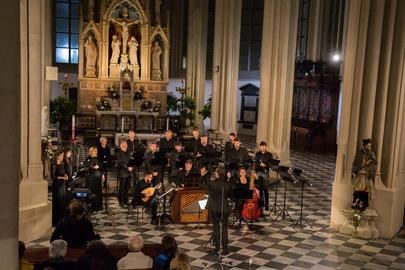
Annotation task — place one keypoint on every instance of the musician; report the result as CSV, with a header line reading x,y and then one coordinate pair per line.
x,y
205,175
204,153
140,186
237,157
166,146
262,161
93,180
104,157
59,178
229,144
193,142
241,185
188,171
219,191
67,161
177,159
136,151
153,160
124,170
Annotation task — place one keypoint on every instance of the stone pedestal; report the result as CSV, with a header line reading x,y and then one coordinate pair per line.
x,y
156,75
114,71
135,71
91,72
366,228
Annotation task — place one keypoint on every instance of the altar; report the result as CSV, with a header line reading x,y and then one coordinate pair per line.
x,y
123,57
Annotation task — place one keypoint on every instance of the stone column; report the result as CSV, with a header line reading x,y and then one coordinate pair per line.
x,y
197,53
35,210
225,66
145,52
277,75
10,118
372,104
315,29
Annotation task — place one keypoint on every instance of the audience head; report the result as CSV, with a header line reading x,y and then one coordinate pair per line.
x,y
181,262
58,248
204,140
203,170
168,134
67,153
21,249
135,243
59,155
169,245
236,143
195,133
177,146
123,146
131,134
262,146
153,147
220,174
76,209
103,141
188,165
232,136
93,152
149,176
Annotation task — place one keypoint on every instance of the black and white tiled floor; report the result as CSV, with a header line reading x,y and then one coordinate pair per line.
x,y
273,245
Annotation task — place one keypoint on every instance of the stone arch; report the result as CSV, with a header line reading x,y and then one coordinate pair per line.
x,y
132,3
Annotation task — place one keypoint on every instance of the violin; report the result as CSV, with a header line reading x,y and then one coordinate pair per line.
x,y
251,210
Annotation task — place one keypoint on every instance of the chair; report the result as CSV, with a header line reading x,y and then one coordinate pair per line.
x,y
137,209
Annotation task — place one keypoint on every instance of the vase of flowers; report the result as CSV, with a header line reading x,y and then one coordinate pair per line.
x,y
356,216
103,105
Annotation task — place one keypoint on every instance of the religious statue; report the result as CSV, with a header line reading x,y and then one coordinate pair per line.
x,y
91,53
156,52
363,174
116,48
133,51
124,34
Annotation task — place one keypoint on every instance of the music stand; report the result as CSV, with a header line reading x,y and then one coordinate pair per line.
x,y
297,174
164,218
274,165
285,175
201,206
240,195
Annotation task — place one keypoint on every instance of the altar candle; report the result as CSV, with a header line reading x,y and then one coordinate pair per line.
x,y
122,124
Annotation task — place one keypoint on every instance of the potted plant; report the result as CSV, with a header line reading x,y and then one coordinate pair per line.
x,y
206,111
61,110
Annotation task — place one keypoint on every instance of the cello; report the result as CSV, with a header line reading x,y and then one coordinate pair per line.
x,y
251,210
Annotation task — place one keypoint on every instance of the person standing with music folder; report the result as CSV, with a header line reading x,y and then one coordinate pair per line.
x,y
104,157
136,151
219,192
237,157
262,161
93,180
141,198
166,145
124,170
177,159
204,153
153,161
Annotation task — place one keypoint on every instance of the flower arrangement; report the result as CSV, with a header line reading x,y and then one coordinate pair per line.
x,y
47,152
156,107
139,93
113,93
356,215
103,105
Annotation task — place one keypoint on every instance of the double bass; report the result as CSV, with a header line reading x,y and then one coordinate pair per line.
x,y
251,210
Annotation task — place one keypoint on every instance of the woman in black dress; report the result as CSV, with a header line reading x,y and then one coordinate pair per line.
x,y
67,161
93,180
59,177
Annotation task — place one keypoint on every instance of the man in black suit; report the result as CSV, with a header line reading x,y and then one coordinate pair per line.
x,y
262,161
237,157
124,177
204,153
188,172
229,144
166,145
219,193
136,150
177,158
193,142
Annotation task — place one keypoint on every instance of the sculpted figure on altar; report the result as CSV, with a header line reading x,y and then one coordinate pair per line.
x,y
156,52
133,51
116,48
124,23
91,52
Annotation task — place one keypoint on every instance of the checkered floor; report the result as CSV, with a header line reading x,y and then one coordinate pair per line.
x,y
274,244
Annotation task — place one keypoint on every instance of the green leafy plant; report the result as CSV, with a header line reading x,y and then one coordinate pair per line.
x,y
206,111
171,103
61,110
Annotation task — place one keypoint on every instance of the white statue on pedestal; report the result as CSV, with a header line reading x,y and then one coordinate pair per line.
x,y
116,48
133,51
91,57
124,33
156,52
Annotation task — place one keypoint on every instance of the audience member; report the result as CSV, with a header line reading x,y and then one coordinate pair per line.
x,y
97,257
135,259
57,261
165,256
76,229
180,262
23,264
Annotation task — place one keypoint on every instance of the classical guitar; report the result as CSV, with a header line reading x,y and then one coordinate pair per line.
x,y
148,192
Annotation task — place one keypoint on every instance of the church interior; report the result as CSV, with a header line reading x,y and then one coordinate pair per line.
x,y
203,134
